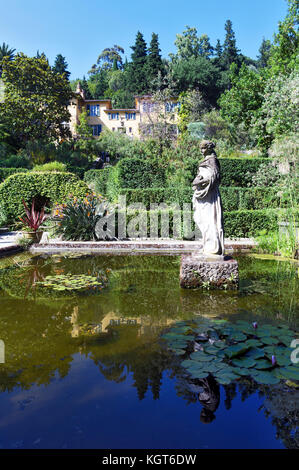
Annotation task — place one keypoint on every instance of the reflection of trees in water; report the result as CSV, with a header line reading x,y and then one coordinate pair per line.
x,y
145,361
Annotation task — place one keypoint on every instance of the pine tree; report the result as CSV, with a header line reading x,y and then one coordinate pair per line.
x,y
218,49
154,60
60,66
230,51
137,71
264,53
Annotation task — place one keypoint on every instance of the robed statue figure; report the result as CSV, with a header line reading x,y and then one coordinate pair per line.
x,y
207,201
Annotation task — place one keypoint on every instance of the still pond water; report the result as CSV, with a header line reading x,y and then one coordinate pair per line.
x,y
89,369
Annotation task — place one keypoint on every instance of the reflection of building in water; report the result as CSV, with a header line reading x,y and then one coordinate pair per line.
x,y
115,319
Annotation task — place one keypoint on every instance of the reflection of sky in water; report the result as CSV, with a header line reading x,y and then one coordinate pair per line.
x,y
96,376
102,414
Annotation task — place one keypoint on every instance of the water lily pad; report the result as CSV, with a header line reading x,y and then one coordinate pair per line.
x,y
241,371
269,340
236,350
211,350
247,362
263,364
202,357
265,378
253,343
255,353
238,336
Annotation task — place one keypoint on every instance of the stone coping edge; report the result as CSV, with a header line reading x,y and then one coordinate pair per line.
x,y
176,246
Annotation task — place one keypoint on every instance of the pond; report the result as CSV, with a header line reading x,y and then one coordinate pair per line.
x,y
87,366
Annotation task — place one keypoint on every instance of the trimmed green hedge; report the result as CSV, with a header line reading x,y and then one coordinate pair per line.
x,y
242,223
78,171
140,173
232,198
234,171
6,172
47,187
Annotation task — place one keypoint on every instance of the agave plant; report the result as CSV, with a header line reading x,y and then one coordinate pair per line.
x,y
33,218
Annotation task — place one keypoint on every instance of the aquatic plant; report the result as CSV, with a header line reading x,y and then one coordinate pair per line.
x,y
229,351
69,282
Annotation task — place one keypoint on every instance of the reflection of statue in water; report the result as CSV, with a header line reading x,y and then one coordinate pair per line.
x,y
209,397
207,202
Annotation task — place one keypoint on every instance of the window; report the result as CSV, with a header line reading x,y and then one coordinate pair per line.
x,y
96,130
113,116
93,109
148,107
113,129
130,130
170,107
130,116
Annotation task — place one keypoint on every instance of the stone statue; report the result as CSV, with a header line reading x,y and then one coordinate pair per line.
x,y
207,202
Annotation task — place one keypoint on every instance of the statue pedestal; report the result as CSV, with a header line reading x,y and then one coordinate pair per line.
x,y
215,272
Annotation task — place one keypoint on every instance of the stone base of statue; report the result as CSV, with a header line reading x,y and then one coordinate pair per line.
x,y
209,271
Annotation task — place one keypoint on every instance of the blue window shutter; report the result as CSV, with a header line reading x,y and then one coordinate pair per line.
x,y
98,109
117,114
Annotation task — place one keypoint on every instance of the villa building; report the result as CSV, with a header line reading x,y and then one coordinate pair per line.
x,y
132,122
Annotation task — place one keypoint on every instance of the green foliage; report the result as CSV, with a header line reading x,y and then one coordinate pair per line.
x,y
60,66
137,80
235,351
196,130
81,283
6,172
241,103
230,52
232,198
140,173
98,179
278,242
36,99
154,64
52,166
46,187
248,223
197,73
264,53
284,53
77,217
278,114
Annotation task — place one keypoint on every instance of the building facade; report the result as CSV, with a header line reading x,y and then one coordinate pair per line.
x,y
135,123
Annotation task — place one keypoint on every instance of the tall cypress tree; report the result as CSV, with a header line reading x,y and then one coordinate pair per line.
x,y
154,59
85,87
230,51
137,74
60,66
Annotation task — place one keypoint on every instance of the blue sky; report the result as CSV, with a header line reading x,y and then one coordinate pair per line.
x,y
81,29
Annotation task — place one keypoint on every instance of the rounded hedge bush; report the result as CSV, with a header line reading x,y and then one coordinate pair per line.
x,y
47,187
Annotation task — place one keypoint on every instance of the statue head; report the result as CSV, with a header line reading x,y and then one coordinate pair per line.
x,y
207,147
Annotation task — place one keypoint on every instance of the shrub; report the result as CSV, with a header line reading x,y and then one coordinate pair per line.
x,y
6,172
15,161
46,187
140,173
232,198
51,166
98,179
77,217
